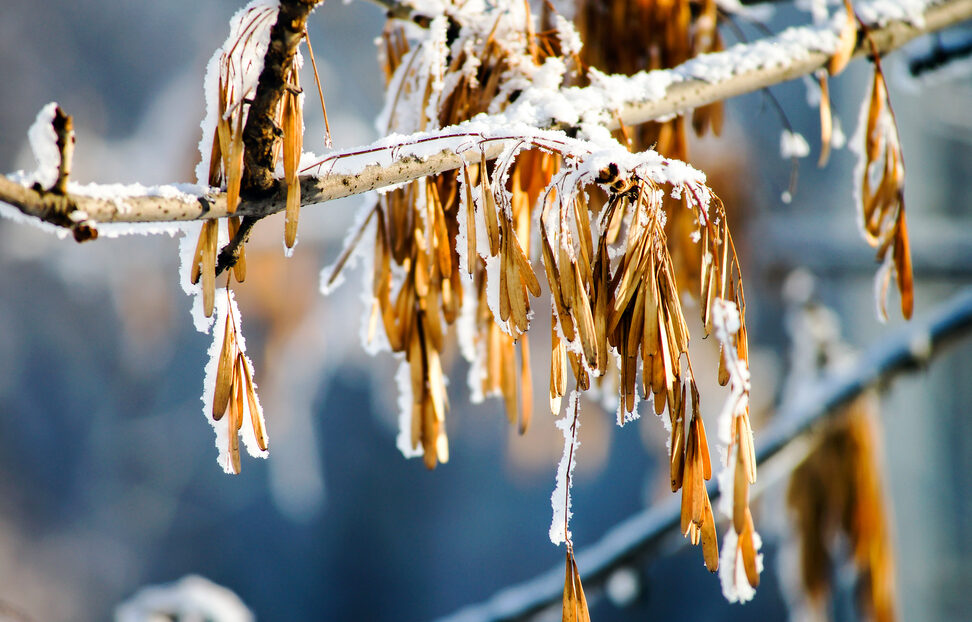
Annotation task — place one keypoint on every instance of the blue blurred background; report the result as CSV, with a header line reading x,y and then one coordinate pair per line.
x,y
108,477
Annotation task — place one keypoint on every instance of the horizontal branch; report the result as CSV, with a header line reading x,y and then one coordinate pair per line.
x,y
643,534
628,99
786,64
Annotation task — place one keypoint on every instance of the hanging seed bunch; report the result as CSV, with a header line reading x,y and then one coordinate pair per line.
x,y
740,561
230,397
881,170
882,215
459,248
846,44
232,81
616,304
464,66
628,36
837,492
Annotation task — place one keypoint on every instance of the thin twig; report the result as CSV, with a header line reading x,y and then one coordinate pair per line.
x,y
230,254
64,129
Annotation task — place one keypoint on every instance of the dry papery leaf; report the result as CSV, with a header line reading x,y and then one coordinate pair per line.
x,y
836,492
882,216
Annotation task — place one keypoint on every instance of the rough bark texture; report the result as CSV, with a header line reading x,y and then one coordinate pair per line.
x,y
260,132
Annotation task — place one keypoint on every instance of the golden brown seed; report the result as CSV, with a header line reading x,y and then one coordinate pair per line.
x,y
585,319
826,120
436,381
748,551
558,369
430,433
710,543
234,440
489,209
703,446
553,281
740,493
688,479
209,266
470,222
224,370
292,124
256,413
234,165
677,460
197,255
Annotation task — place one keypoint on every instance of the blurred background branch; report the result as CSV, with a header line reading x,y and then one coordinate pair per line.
x,y
654,530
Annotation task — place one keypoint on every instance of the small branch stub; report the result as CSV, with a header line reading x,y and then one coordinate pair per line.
x,y
64,128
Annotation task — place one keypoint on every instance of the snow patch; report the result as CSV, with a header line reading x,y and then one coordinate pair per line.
x,y
43,142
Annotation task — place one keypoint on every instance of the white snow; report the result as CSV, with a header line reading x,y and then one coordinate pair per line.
x,y
880,12
190,598
732,574
838,140
569,424
793,145
570,41
43,142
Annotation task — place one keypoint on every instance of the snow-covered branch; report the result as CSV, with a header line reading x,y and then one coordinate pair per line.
x,y
610,99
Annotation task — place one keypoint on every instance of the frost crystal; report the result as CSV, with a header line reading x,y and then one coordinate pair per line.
x,y
732,573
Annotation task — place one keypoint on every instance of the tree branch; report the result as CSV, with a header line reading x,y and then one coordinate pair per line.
x,y
649,95
643,534
260,132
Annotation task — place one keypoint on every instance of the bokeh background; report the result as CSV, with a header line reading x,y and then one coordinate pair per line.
x,y
108,478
